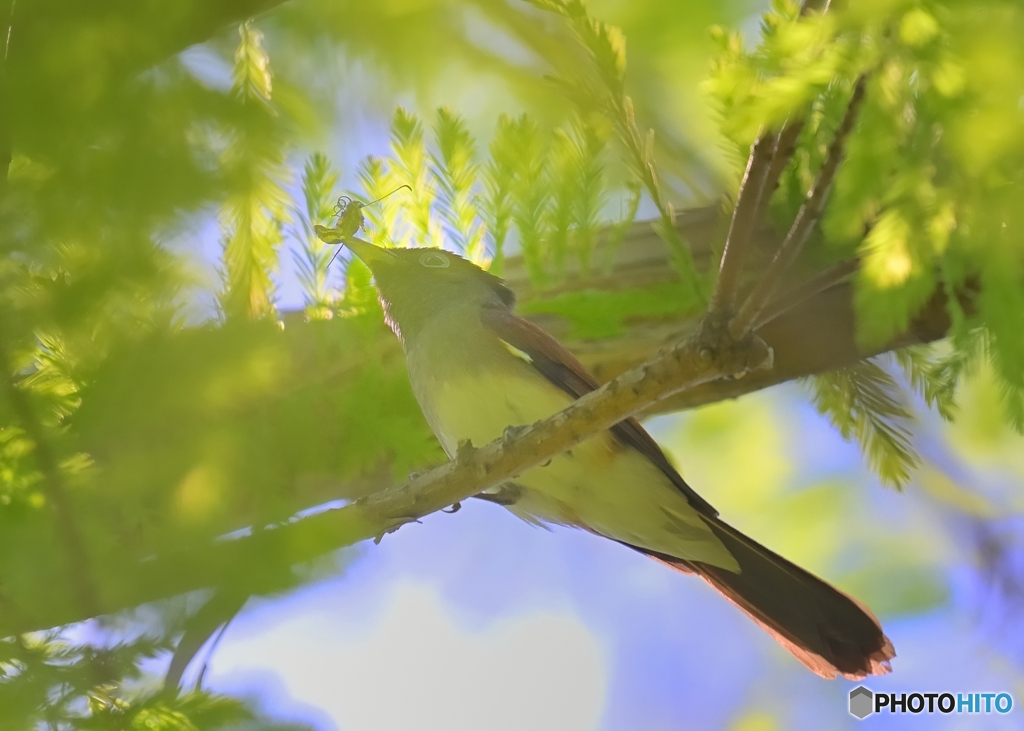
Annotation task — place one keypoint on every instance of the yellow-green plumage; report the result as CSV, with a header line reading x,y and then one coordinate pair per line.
x,y
599,485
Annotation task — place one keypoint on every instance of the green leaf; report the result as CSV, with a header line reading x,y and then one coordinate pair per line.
x,y
865,404
619,230
313,258
256,206
375,178
410,167
925,373
531,196
455,169
252,218
895,279
1001,303
251,73
578,193
499,181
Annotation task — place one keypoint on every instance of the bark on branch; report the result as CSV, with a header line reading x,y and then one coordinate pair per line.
x,y
744,221
769,157
805,222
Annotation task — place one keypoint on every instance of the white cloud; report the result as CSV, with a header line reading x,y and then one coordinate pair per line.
x,y
417,667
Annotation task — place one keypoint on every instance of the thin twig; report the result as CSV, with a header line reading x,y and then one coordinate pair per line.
x,y
769,158
641,149
785,146
802,292
619,107
744,221
806,219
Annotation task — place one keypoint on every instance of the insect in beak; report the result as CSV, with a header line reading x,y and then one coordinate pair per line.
x,y
350,220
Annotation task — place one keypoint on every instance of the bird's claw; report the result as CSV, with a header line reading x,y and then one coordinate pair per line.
x,y
465,450
395,525
506,495
456,507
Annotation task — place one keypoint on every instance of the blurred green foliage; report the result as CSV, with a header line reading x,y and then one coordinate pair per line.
x,y
161,435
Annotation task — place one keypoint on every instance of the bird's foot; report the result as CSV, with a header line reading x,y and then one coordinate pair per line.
x,y
464,451
505,495
396,523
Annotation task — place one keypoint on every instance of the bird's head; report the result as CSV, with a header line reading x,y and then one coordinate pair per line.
x,y
414,284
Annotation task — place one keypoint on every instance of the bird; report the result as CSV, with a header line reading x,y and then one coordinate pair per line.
x,y
477,369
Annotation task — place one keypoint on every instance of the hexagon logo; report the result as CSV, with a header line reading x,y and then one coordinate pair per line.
x,y
862,702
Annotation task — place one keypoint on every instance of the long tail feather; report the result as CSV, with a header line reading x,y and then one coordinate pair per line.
x,y
828,631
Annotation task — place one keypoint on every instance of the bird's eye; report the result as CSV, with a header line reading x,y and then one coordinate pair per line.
x,y
434,260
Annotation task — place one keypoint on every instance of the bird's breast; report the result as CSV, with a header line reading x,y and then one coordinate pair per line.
x,y
479,404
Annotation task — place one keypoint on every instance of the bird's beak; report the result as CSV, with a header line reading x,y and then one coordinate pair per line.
x,y
371,255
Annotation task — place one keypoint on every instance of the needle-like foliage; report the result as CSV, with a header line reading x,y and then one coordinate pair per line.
x,y
603,89
865,403
312,259
456,169
411,166
499,177
256,206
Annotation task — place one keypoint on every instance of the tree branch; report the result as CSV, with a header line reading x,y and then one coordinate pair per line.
x,y
806,219
705,356
815,337
744,221
785,146
769,157
799,294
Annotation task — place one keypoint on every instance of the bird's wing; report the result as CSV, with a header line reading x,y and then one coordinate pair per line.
x,y
560,367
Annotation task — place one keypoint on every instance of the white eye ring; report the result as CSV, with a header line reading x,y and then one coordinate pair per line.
x,y
434,260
